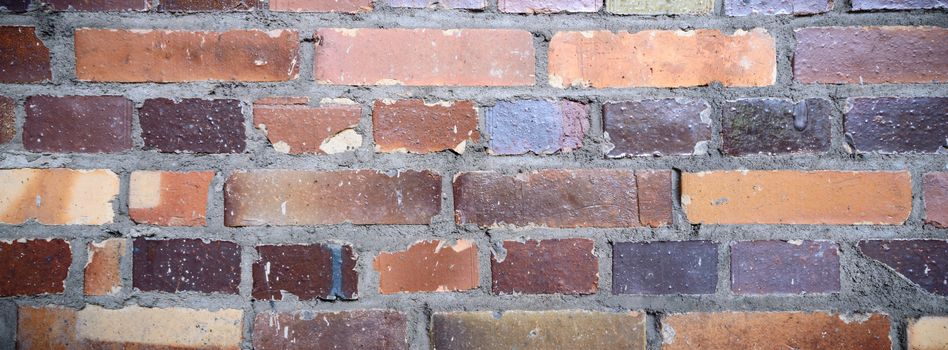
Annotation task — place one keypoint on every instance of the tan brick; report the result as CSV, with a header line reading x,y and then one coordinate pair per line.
x,y
177,56
928,333
132,327
57,196
103,274
772,330
416,126
428,266
662,58
168,198
797,197
295,128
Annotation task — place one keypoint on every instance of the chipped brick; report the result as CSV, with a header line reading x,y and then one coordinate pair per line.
x,y
23,56
428,266
103,271
294,128
657,127
306,271
415,126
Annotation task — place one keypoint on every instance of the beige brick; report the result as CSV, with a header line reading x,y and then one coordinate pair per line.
x,y
57,196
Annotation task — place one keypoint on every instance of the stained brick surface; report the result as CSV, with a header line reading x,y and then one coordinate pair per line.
x,y
657,127
898,124
935,192
540,127
296,128
103,273
568,329
58,196
305,271
168,198
7,119
923,262
428,266
416,126
776,126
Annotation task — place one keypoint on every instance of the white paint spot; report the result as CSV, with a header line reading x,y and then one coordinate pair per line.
x,y
281,147
343,141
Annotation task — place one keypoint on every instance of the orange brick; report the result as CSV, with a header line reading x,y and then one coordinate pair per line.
x,y
167,198
428,266
294,128
418,127
103,269
662,58
57,196
177,56
797,197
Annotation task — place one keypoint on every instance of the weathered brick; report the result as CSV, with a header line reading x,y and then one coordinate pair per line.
x,y
765,330
457,57
344,6
295,128
82,124
186,265
561,198
428,266
541,127
57,196
448,4
898,124
416,126
776,7
208,5
649,7
97,5
657,127
193,125
662,58
657,268
169,198
103,271
14,5
871,55
552,266
778,267
935,194
776,126
358,329
324,271
923,262
36,266
7,119
286,197
863,5
568,329
797,197
928,333
548,6
179,56
654,192
23,56
131,327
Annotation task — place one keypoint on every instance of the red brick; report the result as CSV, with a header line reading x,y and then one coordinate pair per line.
x,y
357,329
186,265
57,196
193,125
103,272
935,194
81,124
871,55
97,5
208,5
563,198
23,56
428,266
553,266
305,271
797,197
7,119
415,126
343,6
673,126
457,57
294,128
662,58
178,56
36,266
168,198
766,330
287,197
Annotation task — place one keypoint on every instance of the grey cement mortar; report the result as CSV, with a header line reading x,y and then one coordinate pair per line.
x,y
866,286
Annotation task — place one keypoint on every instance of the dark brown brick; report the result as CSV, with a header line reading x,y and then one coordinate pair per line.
x,y
357,329
193,125
7,119
898,124
559,198
924,262
935,193
97,5
567,329
324,271
186,265
36,266
871,55
657,127
778,267
14,5
82,124
208,5
553,266
776,126
417,127
23,56
655,268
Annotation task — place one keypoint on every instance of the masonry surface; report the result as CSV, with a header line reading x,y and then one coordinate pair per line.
x,y
473,174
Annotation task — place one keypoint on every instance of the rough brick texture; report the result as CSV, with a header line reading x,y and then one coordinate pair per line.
x,y
859,5
103,272
548,6
555,266
923,262
671,7
97,5
541,127
416,126
57,196
928,333
898,125
778,267
305,271
180,265
193,125
428,266
935,192
361,329
657,127
295,128
569,329
776,126
35,266
208,5
448,4
7,119
345,6
657,268
168,198
776,7
23,56
83,124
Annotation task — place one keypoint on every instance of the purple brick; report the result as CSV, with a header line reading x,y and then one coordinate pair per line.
x,y
863,5
15,5
309,272
924,262
778,267
897,124
541,127
548,6
776,7
193,125
650,127
82,124
655,268
448,4
186,265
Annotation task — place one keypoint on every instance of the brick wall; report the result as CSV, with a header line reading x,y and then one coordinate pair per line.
x,y
473,174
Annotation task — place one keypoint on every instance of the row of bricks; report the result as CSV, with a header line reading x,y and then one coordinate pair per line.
x,y
552,266
489,57
639,7
93,124
556,198
175,327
